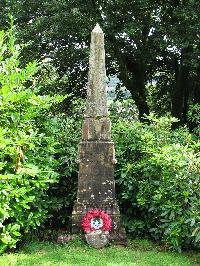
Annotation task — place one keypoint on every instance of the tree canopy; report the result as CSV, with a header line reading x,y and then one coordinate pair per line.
x,y
152,46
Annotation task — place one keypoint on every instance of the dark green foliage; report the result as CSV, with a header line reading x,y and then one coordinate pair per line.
x,y
158,181
194,118
63,193
147,42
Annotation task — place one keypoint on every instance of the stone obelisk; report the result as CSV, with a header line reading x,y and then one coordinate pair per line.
x,y
96,185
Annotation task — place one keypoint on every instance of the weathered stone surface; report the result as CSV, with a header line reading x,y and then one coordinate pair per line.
x,y
96,105
97,239
96,129
96,184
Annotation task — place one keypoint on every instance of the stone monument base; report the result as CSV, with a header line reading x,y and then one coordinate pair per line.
x,y
117,234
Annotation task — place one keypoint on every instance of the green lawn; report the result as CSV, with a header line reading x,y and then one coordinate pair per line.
x,y
139,252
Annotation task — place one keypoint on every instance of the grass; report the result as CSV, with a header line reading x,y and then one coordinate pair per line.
x,y
139,253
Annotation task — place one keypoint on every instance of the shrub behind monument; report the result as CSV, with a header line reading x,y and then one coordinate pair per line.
x,y
158,180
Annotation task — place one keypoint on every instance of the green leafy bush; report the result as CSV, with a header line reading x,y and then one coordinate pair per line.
x,y
194,118
28,146
158,174
63,193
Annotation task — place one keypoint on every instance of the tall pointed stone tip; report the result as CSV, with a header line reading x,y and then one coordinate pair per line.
x,y
97,29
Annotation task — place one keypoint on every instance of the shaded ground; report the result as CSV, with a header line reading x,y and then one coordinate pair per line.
x,y
139,253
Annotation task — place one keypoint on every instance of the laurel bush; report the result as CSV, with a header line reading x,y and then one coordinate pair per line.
x,y
28,145
158,180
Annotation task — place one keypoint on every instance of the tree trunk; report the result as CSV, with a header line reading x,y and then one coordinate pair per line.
x,y
180,98
197,87
132,74
195,97
140,99
137,90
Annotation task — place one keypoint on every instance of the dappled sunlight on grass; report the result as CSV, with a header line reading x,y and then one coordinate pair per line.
x,y
139,252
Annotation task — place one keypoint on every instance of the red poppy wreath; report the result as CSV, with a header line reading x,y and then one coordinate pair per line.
x,y
96,219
